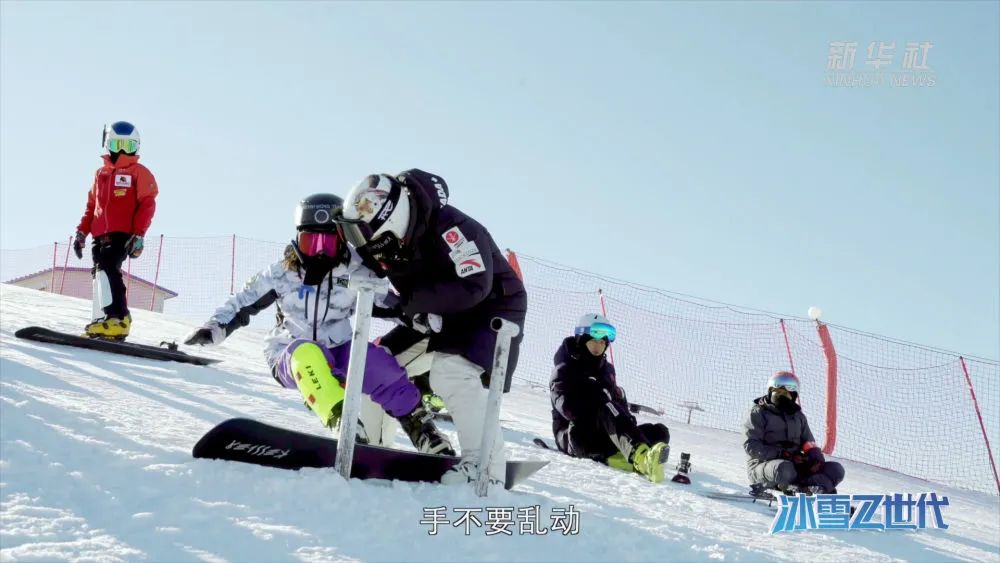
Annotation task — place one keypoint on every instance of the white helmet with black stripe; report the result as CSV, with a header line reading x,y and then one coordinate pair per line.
x,y
377,218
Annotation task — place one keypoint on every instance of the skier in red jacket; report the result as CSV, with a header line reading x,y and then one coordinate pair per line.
x,y
120,207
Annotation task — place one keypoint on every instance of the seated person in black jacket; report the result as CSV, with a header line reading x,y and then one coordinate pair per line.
x,y
590,415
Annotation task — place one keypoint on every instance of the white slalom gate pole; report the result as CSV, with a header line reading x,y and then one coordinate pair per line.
x,y
102,294
366,288
506,331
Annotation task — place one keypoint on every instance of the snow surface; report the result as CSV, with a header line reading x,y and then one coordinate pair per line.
x,y
95,465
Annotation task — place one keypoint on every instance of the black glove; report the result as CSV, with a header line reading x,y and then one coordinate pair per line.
x,y
599,393
390,308
78,241
427,323
210,334
793,455
814,460
387,312
133,247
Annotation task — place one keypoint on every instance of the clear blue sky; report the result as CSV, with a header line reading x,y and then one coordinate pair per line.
x,y
692,147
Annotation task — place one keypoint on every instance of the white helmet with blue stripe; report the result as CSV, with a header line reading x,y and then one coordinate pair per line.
x,y
120,136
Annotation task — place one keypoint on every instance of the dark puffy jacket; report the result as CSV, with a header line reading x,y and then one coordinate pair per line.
x,y
580,384
458,272
769,432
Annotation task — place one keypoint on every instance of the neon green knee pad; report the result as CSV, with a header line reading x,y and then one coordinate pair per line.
x,y
323,393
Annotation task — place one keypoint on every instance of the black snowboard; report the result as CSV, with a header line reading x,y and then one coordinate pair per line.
x,y
41,334
745,497
772,502
250,441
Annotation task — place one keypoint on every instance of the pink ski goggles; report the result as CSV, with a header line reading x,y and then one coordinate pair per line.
x,y
312,244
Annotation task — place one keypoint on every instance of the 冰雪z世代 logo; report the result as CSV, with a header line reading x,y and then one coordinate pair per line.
x,y
895,511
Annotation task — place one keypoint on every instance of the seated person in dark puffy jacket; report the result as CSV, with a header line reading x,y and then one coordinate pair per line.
x,y
781,451
590,415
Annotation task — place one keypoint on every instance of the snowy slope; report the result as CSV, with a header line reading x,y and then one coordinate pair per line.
x,y
95,465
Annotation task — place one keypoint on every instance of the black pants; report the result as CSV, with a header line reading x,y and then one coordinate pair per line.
x,y
108,252
608,433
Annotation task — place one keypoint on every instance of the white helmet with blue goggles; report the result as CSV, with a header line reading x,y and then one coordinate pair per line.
x,y
120,136
596,326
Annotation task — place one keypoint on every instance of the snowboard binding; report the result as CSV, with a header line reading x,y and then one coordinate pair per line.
x,y
683,468
104,338
759,492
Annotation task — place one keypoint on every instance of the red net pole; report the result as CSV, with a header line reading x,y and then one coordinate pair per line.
x,y
232,269
979,415
831,387
512,260
604,311
788,347
156,277
62,283
52,282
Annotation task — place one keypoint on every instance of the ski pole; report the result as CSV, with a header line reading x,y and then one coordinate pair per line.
x,y
366,288
506,331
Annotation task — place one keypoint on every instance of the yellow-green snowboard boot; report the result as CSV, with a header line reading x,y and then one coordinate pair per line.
x,y
649,460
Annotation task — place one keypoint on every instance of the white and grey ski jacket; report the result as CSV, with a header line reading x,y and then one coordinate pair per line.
x,y
320,313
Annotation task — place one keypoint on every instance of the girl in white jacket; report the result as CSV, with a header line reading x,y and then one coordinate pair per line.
x,y
309,346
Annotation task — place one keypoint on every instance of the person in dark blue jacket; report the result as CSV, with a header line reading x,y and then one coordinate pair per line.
x,y
452,280
590,414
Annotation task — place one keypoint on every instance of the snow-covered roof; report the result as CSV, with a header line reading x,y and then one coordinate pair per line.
x,y
87,270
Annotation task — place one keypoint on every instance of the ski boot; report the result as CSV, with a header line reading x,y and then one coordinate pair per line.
x,y
419,426
109,328
649,460
323,393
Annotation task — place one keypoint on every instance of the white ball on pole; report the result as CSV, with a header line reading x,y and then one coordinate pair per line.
x,y
815,313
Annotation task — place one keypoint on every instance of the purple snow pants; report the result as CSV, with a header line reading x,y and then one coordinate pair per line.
x,y
385,381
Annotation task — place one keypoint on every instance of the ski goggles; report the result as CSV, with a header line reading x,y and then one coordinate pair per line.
x,y
129,146
788,383
356,232
598,331
311,244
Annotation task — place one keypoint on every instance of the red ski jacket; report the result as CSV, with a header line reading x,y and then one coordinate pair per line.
x,y
122,199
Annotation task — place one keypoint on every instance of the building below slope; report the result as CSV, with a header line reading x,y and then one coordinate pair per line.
x,y
77,282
